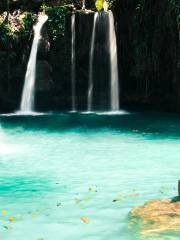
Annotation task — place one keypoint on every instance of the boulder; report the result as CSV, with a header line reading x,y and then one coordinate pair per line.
x,y
157,216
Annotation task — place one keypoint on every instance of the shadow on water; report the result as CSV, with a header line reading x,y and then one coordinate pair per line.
x,y
158,124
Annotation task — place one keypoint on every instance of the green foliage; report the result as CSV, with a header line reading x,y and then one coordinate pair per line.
x,y
111,2
174,5
13,34
44,7
26,24
5,34
6,40
8,34
28,20
56,21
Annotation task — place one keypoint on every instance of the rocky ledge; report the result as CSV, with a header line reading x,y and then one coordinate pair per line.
x,y
157,216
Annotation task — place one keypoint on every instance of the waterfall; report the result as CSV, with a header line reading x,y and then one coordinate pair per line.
x,y
114,78
109,61
73,62
83,5
91,58
27,100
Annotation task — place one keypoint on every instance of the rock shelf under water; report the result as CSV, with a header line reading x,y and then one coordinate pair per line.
x,y
157,216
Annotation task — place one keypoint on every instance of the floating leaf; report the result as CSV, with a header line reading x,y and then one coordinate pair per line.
x,y
77,200
92,189
7,227
11,219
85,219
117,200
34,215
134,195
4,212
58,204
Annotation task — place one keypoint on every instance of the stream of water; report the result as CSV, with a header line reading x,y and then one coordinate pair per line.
x,y
114,76
91,58
73,63
27,100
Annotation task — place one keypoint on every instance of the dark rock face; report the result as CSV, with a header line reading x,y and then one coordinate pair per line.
x,y
12,72
53,79
148,54
83,25
84,28
44,80
58,61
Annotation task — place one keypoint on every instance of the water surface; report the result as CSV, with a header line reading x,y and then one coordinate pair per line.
x,y
57,168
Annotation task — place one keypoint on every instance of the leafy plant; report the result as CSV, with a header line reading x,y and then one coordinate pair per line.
x,y
27,21
56,21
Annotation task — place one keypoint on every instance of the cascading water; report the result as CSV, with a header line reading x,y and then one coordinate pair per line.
x,y
83,5
114,78
27,100
91,57
73,62
108,49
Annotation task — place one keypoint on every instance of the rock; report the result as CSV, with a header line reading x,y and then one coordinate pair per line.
x,y
44,81
156,216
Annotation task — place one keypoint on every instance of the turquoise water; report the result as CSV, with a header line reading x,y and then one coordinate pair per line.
x,y
56,169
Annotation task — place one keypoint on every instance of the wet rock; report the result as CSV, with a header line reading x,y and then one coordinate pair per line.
x,y
44,81
156,216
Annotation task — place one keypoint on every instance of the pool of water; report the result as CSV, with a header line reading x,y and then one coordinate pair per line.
x,y
59,170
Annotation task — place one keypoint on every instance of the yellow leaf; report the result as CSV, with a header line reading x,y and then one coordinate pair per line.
x,y
11,219
34,215
99,5
134,195
4,212
85,220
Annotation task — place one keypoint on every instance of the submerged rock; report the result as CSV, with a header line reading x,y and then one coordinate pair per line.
x,y
157,216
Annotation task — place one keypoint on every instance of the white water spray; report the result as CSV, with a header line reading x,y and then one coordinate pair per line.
x,y
27,100
91,58
114,88
73,63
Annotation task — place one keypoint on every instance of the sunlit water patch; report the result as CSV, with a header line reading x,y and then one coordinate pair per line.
x,y
77,176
